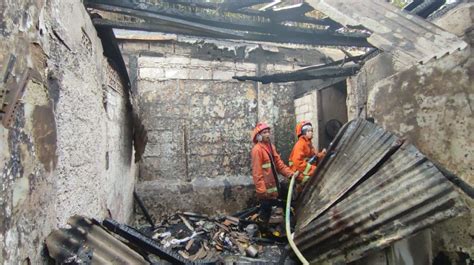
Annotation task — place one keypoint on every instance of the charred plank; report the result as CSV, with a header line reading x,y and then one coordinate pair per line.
x,y
304,74
143,242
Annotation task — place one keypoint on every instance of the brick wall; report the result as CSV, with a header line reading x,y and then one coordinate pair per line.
x,y
306,109
199,119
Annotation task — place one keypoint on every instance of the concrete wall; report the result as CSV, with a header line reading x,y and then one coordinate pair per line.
x,y
69,149
199,119
358,86
430,105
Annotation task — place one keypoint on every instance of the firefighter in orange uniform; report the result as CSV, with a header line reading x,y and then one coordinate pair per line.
x,y
304,153
266,162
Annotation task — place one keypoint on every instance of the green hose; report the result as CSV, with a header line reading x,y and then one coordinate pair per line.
x,y
287,221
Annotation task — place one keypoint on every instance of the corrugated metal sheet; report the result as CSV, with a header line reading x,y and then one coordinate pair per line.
x,y
86,242
358,150
396,193
409,38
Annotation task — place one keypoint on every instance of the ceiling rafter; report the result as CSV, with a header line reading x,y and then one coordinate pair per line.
x,y
273,26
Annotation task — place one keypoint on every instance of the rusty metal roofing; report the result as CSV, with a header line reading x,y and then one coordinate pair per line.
x,y
86,242
372,190
409,38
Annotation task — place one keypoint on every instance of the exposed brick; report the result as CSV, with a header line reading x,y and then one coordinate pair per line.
x,y
298,102
229,66
222,75
200,74
308,100
303,108
308,116
240,73
176,73
199,63
246,67
277,68
151,73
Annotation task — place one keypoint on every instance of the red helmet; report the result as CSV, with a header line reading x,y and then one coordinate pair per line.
x,y
299,127
258,129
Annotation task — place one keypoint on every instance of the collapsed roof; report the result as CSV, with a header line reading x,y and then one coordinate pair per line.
x,y
253,20
367,24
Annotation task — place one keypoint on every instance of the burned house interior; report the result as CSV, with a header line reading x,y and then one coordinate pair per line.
x,y
237,132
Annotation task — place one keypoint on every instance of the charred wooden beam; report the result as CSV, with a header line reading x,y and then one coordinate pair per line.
x,y
166,28
181,13
200,10
144,210
162,22
304,74
338,62
142,242
226,5
266,24
247,29
205,31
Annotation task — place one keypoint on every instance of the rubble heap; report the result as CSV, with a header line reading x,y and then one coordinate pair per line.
x,y
201,237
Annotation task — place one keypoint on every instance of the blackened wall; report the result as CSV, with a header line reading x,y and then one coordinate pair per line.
x,y
68,149
199,119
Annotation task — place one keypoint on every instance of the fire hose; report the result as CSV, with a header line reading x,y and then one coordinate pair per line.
x,y
287,221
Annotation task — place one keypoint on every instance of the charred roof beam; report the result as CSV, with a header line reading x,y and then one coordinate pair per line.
x,y
206,31
333,70
256,22
175,25
164,22
304,74
188,12
258,26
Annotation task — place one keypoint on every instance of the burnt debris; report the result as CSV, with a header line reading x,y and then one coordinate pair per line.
x,y
183,238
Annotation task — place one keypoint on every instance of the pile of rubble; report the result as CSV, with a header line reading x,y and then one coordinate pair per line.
x,y
183,238
201,237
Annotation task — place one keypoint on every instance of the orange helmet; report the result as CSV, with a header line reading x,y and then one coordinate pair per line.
x,y
259,128
299,127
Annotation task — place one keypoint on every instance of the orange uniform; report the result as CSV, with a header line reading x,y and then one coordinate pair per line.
x,y
265,181
301,153
263,177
